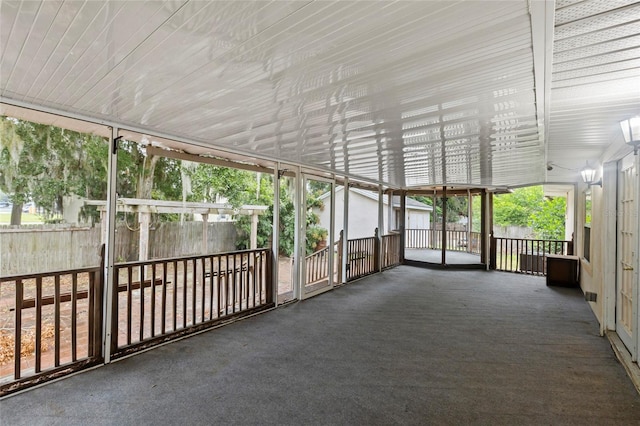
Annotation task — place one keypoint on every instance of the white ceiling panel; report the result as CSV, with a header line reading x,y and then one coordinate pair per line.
x,y
405,93
595,81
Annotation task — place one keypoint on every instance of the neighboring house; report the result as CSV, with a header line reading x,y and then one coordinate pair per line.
x,y
363,213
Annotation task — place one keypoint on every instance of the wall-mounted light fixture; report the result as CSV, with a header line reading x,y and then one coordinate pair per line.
x,y
588,176
631,131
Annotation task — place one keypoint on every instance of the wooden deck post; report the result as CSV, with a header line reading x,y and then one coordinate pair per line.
x,y
340,257
492,251
376,251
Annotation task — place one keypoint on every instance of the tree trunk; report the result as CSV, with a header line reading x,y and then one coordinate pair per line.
x,y
16,214
145,180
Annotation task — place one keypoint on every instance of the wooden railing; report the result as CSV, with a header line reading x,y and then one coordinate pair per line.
x,y
390,248
317,268
159,300
361,257
50,325
432,239
524,255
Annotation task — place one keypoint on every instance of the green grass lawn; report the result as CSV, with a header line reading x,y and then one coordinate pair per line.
x,y
5,218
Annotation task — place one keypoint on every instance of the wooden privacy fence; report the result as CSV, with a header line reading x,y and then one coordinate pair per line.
x,y
51,325
524,255
32,249
163,299
432,239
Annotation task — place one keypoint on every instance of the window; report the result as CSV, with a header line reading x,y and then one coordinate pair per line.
x,y
586,249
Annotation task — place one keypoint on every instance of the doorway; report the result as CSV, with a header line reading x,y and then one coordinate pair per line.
x,y
318,266
626,282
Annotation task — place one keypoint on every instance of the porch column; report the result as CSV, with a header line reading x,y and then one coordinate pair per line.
x,y
144,219
403,212
103,226
253,240
469,220
444,225
109,316
275,233
432,243
380,223
345,231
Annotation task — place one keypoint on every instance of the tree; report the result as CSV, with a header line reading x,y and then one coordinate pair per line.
x,y
548,221
43,163
529,207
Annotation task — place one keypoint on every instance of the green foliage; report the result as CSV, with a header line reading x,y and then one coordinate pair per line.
x,y
315,235
548,220
238,186
529,207
44,163
287,222
252,189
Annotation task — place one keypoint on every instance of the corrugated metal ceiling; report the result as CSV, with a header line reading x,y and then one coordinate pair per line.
x,y
406,93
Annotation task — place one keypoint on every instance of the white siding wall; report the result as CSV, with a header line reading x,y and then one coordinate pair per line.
x,y
363,216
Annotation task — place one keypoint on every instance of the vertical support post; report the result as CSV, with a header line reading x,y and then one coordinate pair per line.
x,y
636,268
268,273
96,302
570,245
340,258
403,212
469,220
490,244
344,236
103,226
380,223
109,330
144,219
444,225
253,239
275,233
432,243
376,251
483,228
390,222
300,239
332,235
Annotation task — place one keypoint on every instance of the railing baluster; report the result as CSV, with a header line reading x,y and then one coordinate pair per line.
x,y
163,306
175,295
38,364
74,314
56,289
248,278
17,342
194,286
153,299
129,302
203,285
219,302
141,276
185,280
211,278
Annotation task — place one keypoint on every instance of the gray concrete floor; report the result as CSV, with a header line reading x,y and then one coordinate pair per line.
x,y
408,346
435,256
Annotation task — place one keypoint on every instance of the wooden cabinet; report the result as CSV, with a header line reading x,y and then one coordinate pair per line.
x,y
563,270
